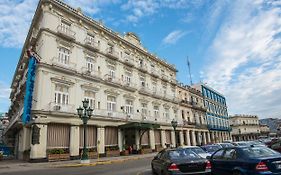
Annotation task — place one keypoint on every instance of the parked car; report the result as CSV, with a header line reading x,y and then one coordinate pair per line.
x,y
179,162
241,143
276,146
249,160
197,150
211,148
225,145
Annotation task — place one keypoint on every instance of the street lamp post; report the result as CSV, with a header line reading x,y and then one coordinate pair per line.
x,y
174,124
85,114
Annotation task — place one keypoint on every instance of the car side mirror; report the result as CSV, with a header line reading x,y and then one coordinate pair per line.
x,y
208,157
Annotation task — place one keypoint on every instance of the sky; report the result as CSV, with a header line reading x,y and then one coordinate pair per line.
x,y
233,45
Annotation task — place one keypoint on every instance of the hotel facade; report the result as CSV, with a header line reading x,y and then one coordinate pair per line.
x,y
130,90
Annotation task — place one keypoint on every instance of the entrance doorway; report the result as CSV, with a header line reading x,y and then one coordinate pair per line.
x,y
130,138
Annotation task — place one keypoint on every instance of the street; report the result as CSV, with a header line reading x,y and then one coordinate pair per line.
x,y
132,167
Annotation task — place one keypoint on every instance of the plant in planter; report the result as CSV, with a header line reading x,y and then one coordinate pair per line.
x,y
112,151
125,151
145,149
93,154
58,154
26,155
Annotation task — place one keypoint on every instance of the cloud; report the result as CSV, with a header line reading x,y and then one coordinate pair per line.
x,y
174,36
139,9
4,96
15,18
245,58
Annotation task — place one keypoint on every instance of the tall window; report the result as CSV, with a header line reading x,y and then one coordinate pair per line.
x,y
64,55
111,71
167,113
90,64
129,107
144,109
90,39
61,94
156,111
128,77
110,48
142,81
90,95
164,89
65,27
111,103
154,86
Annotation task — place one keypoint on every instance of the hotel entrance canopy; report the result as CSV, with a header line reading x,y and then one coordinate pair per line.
x,y
139,125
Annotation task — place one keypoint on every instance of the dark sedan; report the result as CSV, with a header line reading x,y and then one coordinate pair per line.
x,y
248,160
180,162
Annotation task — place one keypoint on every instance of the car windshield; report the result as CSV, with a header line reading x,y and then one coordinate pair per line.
x,y
256,152
226,145
212,148
198,150
183,154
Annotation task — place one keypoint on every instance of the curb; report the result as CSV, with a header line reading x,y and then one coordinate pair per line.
x,y
108,162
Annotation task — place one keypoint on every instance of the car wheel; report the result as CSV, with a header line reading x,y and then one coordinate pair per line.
x,y
237,173
153,170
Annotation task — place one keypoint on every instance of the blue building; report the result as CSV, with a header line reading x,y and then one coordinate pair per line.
x,y
216,115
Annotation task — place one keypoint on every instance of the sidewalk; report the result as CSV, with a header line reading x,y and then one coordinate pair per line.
x,y
16,165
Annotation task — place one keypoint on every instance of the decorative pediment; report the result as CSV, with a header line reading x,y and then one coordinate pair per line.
x,y
156,102
90,87
62,80
90,53
129,96
112,92
166,105
144,100
63,43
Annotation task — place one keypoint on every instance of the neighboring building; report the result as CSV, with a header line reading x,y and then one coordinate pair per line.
x,y
4,122
264,130
217,115
130,90
193,114
272,123
245,127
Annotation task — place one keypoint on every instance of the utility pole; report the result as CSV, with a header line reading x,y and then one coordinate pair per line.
x,y
188,65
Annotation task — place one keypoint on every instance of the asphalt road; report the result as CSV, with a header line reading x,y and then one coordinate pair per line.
x,y
132,167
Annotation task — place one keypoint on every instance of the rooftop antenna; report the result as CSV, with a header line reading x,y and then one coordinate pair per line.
x,y
188,64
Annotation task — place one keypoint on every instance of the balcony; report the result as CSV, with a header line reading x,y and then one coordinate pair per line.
x,y
91,73
143,68
145,90
165,77
111,53
129,86
171,98
112,80
154,73
128,60
66,65
65,108
173,81
157,94
103,113
218,128
66,32
91,44
201,126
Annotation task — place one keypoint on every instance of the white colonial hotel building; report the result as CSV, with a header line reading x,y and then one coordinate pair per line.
x,y
81,58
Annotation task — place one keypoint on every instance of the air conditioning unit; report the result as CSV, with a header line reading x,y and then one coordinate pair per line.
x,y
110,114
143,84
57,107
109,78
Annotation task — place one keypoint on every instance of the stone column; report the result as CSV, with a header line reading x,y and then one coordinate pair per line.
x,y
38,151
74,141
152,139
100,140
208,137
163,138
120,140
193,138
188,138
24,141
181,138
204,140
137,139
173,137
199,138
